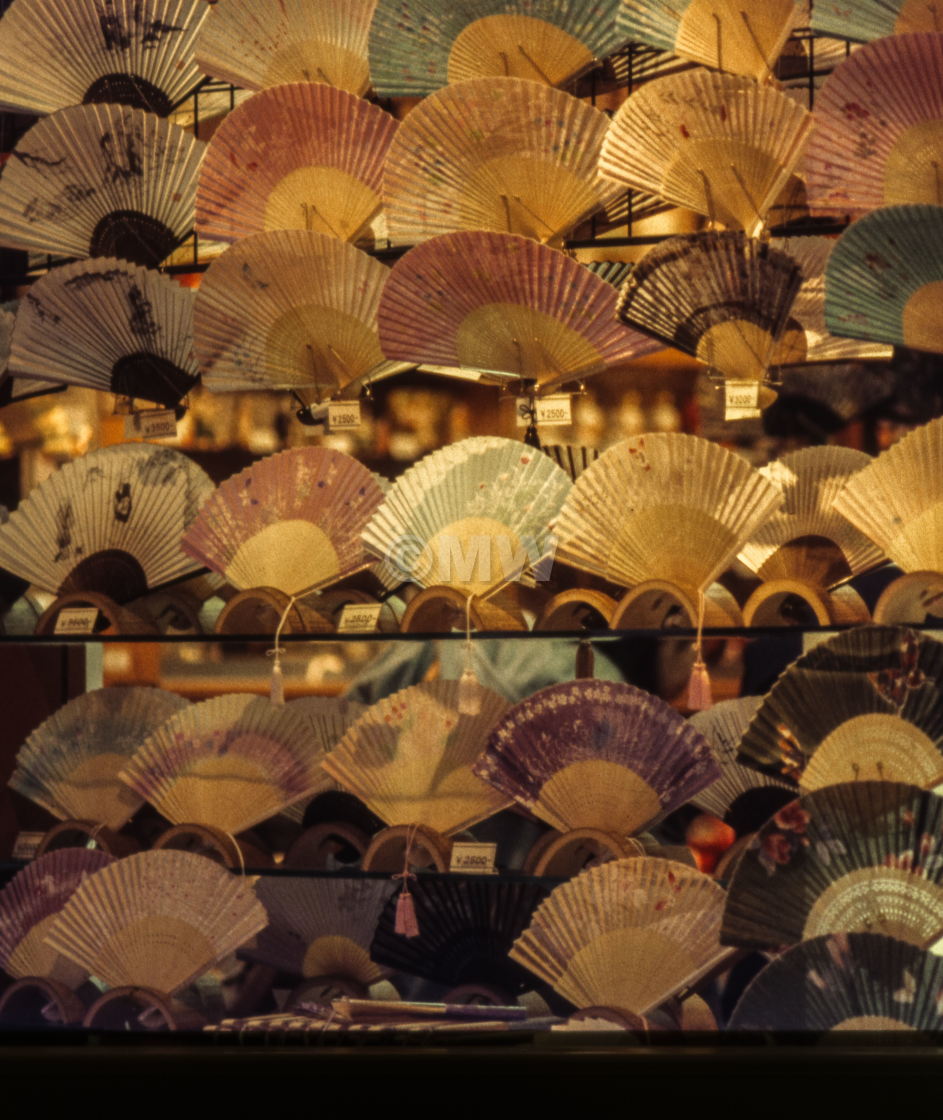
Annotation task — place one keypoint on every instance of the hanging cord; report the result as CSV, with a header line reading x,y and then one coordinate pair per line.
x,y
277,686
405,922
699,686
469,696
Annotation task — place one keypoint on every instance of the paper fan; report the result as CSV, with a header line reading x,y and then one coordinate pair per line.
x,y
863,705
628,934
847,982
228,763
53,55
597,754
70,763
16,388
572,458
847,390
256,44
859,857
108,325
110,522
503,154
717,144
473,515
874,19
884,279
292,521
741,37
898,500
29,904
100,181
290,309
613,272
329,716
503,303
417,48
297,156
466,925
157,920
410,758
720,297
663,506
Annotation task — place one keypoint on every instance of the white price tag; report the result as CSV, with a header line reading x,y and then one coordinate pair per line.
x,y
343,416
359,618
27,844
155,423
76,620
556,410
741,400
473,859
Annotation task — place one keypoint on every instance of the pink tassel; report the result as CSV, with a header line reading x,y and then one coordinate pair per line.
x,y
699,688
406,924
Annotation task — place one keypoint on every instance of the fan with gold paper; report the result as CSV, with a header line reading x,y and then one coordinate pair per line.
x,y
101,181
874,19
503,154
298,156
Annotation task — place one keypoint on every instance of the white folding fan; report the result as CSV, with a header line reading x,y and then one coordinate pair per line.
x,y
297,156
132,52
16,388
875,19
504,154
110,522
101,181
109,325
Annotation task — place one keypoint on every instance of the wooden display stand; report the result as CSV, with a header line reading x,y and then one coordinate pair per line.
x,y
320,845
568,853
440,610
260,610
130,1008
35,1002
662,605
82,834
577,609
213,843
118,620
428,849
774,603
914,597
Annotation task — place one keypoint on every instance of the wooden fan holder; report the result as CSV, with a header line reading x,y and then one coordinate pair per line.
x,y
577,609
914,597
174,611
770,604
659,604
119,620
440,610
34,1001
260,610
77,834
568,853
428,849
132,1007
330,604
219,846
315,847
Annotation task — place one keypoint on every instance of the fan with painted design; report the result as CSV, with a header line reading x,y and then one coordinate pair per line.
x,y
875,19
14,388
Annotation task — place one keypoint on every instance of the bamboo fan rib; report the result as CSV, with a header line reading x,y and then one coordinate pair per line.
x,y
717,144
100,181
296,156
157,920
108,325
859,857
663,506
504,304
628,934
597,754
875,19
570,457
503,154
255,44
57,53
110,522
613,272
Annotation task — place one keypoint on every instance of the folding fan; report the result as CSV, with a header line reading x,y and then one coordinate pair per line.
x,y
846,982
157,920
720,297
110,522
846,390
229,763
807,539
131,52
108,325
70,763
885,278
867,704
500,302
613,272
417,48
628,934
410,757
14,388
297,156
290,309
504,154
663,506
874,19
572,458
597,754
255,44
100,181
328,716
858,857
466,925
717,144
292,521
473,515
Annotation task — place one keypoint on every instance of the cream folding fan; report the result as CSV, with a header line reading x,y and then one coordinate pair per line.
x,y
410,757
228,763
109,522
663,506
15,388
131,52
108,325
70,763
255,44
290,309
629,934
503,303
875,19
100,181
717,144
472,516
503,154
157,920
741,36
417,48
297,156
292,521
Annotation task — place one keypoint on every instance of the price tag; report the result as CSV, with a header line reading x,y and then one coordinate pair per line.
x,y
555,411
359,618
343,416
27,844
155,423
741,400
473,859
76,620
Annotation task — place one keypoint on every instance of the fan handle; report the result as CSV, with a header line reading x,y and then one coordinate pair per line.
x,y
428,848
570,853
